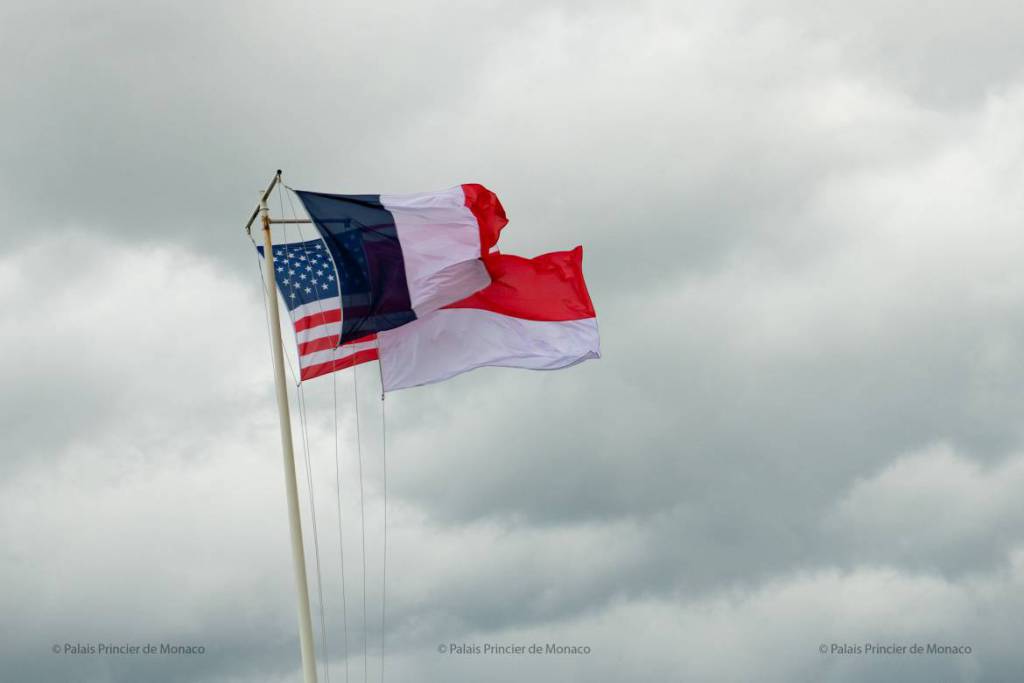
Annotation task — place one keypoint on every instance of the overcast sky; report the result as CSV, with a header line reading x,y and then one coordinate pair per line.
x,y
802,225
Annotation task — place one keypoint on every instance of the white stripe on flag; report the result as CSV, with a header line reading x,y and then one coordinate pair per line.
x,y
317,307
440,240
317,332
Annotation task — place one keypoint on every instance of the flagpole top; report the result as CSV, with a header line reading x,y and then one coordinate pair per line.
x,y
270,188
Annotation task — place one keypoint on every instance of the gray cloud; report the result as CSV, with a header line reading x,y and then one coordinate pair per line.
x,y
801,225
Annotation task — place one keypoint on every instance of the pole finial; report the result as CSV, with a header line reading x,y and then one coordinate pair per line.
x,y
266,193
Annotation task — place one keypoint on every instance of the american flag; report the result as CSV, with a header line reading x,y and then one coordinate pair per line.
x,y
309,287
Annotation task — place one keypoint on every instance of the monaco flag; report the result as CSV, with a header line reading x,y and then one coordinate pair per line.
x,y
535,314
401,256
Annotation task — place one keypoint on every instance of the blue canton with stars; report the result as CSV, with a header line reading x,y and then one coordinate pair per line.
x,y
304,273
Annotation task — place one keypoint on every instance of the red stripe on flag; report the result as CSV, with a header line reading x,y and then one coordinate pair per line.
x,y
321,344
339,364
330,316
489,214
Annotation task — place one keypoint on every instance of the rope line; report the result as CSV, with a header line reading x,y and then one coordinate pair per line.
x,y
337,459
362,505
301,398
362,514
266,306
341,542
384,570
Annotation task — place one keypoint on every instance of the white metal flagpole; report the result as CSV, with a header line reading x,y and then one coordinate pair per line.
x,y
294,522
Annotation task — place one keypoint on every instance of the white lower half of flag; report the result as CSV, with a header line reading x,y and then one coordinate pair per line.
x,y
452,341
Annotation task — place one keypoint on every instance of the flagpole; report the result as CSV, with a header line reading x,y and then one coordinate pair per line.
x,y
294,523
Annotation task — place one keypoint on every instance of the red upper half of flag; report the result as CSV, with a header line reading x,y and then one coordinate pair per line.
x,y
547,287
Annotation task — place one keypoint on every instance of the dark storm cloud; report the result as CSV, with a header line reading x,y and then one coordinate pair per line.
x,y
801,224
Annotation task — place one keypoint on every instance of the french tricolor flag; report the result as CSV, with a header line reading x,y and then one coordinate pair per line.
x,y
401,256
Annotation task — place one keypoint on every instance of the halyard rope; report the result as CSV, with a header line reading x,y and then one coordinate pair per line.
x,y
337,467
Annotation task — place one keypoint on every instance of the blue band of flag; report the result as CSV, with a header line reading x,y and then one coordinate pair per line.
x,y
363,241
